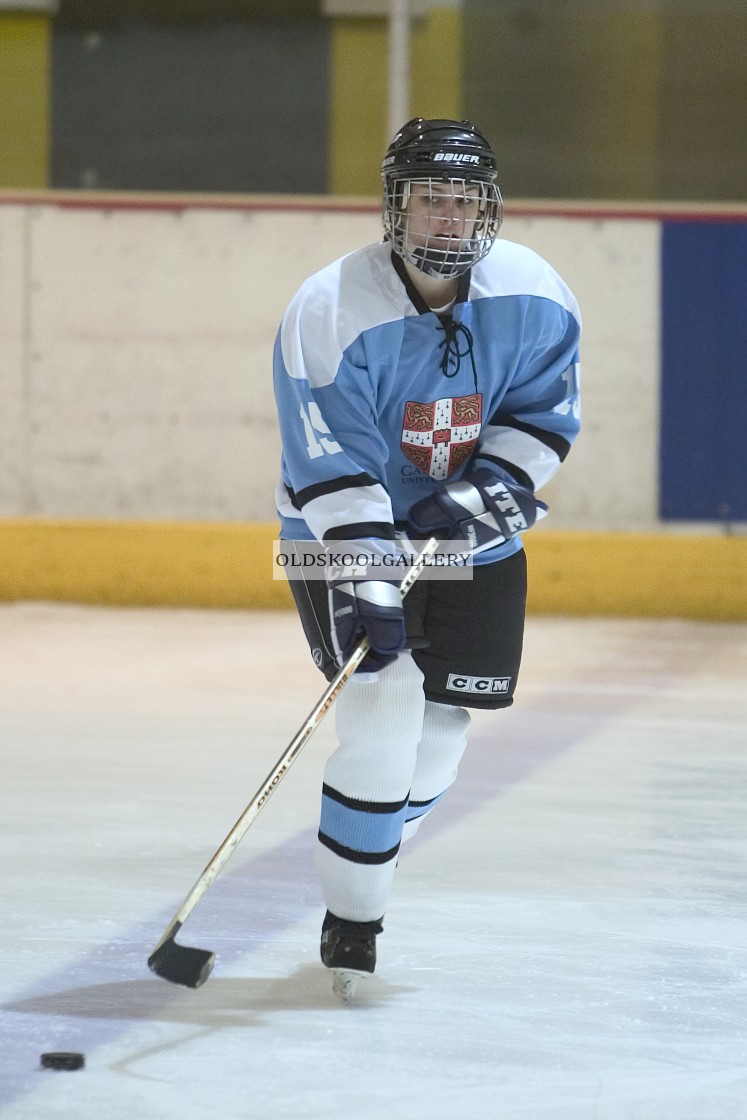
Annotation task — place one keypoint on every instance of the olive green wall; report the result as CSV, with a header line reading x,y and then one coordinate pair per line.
x,y
597,99
359,90
24,99
643,99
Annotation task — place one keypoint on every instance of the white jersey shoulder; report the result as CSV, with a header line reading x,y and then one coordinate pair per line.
x,y
335,306
511,269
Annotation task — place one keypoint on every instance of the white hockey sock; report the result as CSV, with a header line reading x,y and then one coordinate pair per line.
x,y
366,785
440,751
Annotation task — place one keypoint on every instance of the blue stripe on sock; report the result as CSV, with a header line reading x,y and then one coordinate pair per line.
x,y
359,829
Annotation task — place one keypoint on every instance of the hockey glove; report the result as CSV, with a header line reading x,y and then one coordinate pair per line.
x,y
487,507
371,607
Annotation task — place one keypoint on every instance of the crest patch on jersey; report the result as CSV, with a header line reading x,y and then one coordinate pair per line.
x,y
438,436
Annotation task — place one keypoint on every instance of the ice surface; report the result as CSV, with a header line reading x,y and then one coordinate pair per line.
x,y
567,937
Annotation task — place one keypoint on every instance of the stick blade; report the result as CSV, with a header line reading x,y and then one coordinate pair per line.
x,y
179,964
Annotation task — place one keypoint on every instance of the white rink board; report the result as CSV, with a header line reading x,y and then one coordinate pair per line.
x,y
135,363
610,480
14,430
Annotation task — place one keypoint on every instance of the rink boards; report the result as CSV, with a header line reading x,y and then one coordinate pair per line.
x,y
140,447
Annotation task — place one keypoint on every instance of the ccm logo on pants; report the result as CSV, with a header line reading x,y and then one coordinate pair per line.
x,y
457,683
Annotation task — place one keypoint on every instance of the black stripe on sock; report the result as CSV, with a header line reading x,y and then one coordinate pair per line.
x,y
422,804
354,856
364,806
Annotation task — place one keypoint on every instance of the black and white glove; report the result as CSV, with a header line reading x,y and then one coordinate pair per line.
x,y
486,507
372,607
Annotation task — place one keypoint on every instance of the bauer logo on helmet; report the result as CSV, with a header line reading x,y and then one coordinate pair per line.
x,y
455,157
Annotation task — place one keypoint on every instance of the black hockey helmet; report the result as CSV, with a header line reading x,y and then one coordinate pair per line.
x,y
437,149
434,152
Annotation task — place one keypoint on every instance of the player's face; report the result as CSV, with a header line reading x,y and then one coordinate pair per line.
x,y
440,215
441,227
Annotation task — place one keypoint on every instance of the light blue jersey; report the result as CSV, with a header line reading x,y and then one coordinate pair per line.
x,y
381,401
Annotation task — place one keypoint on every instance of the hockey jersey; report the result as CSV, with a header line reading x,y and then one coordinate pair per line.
x,y
381,400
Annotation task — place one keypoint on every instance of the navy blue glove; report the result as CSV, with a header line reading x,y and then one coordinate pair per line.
x,y
372,607
487,507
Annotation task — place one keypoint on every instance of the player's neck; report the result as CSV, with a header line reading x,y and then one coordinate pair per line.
x,y
437,291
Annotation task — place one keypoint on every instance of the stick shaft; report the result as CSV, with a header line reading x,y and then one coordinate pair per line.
x,y
284,763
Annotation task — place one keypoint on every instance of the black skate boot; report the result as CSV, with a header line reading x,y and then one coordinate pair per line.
x,y
349,949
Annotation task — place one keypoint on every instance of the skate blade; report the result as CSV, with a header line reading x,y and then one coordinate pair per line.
x,y
345,982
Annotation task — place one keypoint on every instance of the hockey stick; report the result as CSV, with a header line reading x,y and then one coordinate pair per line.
x,y
191,967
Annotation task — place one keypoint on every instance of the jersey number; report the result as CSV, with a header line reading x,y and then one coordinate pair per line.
x,y
572,403
313,423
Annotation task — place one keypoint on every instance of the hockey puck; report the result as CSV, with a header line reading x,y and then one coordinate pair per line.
x,y
62,1060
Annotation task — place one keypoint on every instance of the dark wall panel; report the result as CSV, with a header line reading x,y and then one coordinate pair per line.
x,y
216,107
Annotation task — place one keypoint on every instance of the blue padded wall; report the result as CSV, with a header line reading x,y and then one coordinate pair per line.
x,y
703,425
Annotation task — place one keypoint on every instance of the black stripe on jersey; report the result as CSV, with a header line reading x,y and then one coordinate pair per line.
x,y
292,498
357,857
361,530
332,485
516,472
557,443
363,806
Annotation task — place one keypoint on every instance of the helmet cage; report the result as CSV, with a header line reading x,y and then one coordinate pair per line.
x,y
442,247
451,161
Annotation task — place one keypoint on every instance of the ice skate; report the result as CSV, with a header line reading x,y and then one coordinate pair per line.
x,y
348,949
345,983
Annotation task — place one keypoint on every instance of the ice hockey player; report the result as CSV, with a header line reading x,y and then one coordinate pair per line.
x,y
426,385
